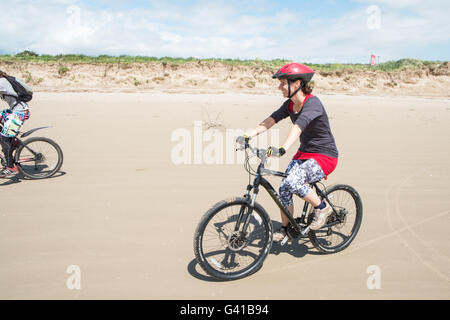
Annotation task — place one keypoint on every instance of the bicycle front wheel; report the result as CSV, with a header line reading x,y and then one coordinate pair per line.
x,y
221,246
343,223
39,158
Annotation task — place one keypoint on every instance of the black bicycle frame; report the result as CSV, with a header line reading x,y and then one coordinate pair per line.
x,y
260,180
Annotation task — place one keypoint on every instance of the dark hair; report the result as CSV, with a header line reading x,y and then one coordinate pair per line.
x,y
3,74
306,87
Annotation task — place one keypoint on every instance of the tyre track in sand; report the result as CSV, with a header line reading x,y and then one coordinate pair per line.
x,y
394,191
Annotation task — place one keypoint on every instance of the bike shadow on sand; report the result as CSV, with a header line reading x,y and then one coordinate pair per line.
x,y
19,178
10,181
192,268
297,248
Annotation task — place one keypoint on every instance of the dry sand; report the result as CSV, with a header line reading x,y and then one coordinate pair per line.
x,y
125,213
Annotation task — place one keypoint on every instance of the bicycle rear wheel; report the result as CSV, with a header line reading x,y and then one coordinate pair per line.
x,y
346,219
229,254
39,158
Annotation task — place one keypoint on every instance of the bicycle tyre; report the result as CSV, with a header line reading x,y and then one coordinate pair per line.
x,y
322,244
28,170
216,269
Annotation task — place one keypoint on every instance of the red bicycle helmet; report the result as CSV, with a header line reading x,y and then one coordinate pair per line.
x,y
294,71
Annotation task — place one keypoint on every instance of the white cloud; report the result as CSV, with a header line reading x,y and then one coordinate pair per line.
x,y
170,37
402,33
214,29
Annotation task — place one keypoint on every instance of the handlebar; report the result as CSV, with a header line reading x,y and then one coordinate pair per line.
x,y
262,155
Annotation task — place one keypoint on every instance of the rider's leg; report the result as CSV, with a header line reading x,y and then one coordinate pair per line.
x,y
298,181
312,198
286,198
6,137
6,143
321,208
284,220
10,169
300,175
286,194
281,233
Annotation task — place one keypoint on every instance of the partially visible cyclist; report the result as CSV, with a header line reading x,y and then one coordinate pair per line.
x,y
317,155
11,119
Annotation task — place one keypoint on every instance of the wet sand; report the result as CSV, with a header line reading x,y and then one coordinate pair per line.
x,y
125,213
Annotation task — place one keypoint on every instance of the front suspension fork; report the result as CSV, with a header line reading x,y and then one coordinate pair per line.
x,y
244,217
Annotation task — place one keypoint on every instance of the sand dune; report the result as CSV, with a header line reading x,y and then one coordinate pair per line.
x,y
218,77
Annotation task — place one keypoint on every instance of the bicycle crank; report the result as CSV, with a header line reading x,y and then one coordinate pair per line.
x,y
292,233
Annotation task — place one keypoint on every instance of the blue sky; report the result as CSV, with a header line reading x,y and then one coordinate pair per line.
x,y
307,31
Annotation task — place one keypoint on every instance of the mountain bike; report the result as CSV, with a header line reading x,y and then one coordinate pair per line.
x,y
37,157
234,237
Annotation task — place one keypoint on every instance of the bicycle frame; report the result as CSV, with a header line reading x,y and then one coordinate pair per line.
x,y
17,142
223,254
261,181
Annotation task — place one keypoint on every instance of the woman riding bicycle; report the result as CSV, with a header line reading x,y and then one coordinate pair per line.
x,y
11,119
317,155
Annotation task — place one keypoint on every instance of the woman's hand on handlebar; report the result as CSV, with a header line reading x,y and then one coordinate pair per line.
x,y
243,139
276,152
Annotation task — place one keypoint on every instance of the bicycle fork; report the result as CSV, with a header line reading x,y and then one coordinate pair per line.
x,y
246,216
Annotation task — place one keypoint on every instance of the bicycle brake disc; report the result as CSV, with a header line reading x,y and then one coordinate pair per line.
x,y
342,218
236,242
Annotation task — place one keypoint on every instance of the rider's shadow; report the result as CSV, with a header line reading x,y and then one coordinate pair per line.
x,y
298,247
13,180
19,177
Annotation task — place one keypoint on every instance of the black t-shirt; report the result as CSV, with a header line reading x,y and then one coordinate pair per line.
x,y
316,136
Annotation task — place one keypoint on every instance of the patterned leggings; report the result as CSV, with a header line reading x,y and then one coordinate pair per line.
x,y
300,174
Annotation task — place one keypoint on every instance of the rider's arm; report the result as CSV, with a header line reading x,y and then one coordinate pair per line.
x,y
278,115
311,110
262,127
292,137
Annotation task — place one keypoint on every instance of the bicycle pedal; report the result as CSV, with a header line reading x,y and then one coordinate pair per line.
x,y
305,231
285,239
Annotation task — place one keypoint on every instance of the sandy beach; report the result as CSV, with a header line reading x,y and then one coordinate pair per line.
x,y
124,211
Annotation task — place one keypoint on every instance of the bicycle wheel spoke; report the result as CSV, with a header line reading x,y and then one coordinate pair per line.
x,y
344,219
39,158
229,251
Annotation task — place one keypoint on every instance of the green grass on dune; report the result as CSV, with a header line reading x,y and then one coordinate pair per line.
x,y
30,56
389,66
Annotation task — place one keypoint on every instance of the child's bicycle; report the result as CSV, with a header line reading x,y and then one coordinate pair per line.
x,y
37,157
234,237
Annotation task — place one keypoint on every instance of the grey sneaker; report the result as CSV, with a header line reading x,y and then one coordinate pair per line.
x,y
320,217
